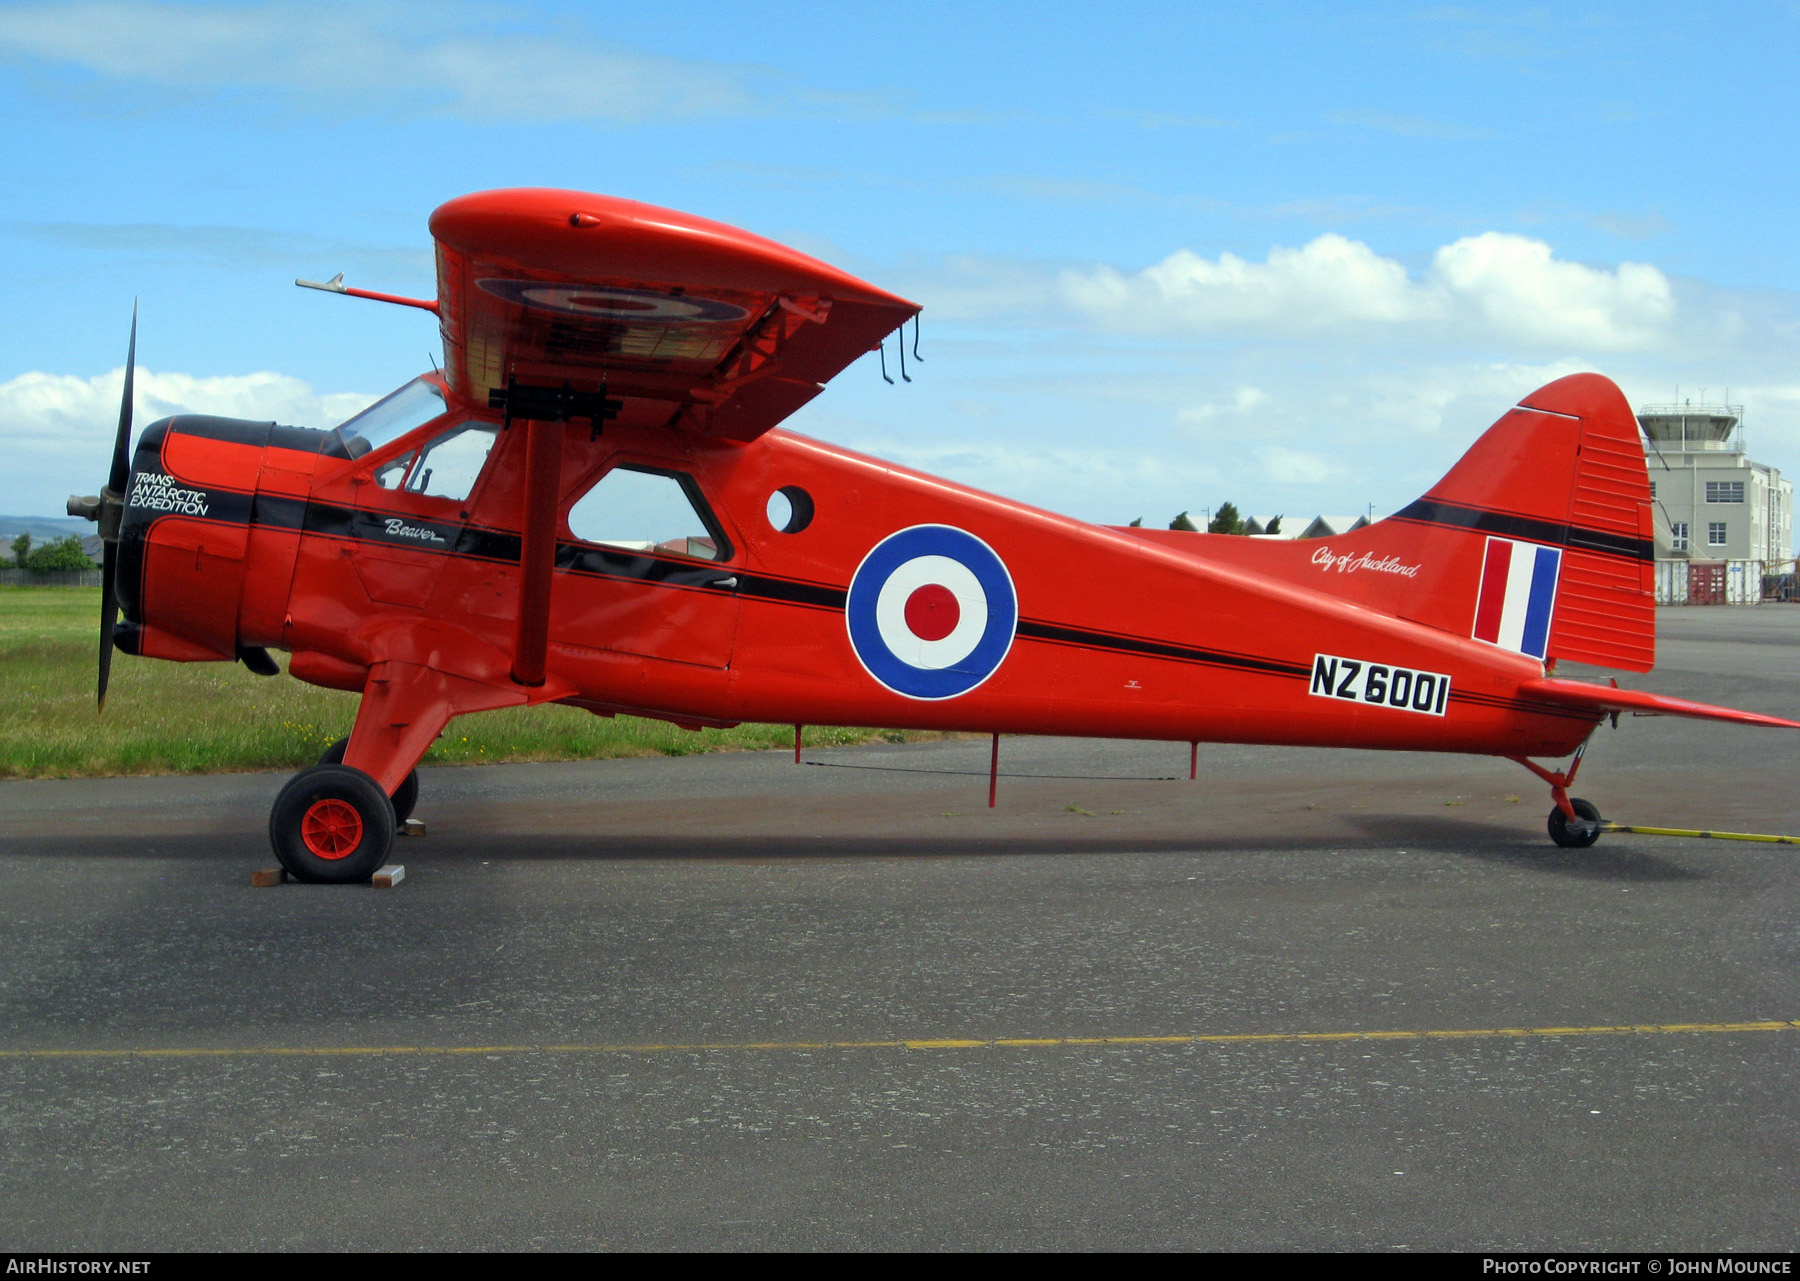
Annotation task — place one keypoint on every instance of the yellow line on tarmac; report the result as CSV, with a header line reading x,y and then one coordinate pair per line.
x,y
942,1043
1696,834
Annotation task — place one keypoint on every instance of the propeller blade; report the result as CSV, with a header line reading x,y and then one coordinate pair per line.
x,y
115,492
121,459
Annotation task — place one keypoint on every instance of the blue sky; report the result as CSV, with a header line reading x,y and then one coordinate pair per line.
x,y
1296,256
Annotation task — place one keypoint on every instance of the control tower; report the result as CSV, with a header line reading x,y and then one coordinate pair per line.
x,y
1712,502
1693,427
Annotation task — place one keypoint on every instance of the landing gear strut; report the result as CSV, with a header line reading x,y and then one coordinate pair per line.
x,y
1574,823
406,796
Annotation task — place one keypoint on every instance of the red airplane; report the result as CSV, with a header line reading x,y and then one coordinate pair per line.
x,y
593,505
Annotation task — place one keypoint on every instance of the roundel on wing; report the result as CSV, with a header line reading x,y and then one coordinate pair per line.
x,y
931,612
608,302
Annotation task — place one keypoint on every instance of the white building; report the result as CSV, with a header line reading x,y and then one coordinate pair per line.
x,y
1299,527
1713,504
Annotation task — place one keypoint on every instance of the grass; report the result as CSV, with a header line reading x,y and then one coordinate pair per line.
x,y
203,718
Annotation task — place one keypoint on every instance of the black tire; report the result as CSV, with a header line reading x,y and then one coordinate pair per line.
x,y
332,824
405,797
1575,838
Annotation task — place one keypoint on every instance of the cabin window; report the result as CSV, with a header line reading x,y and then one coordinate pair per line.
x,y
392,417
446,467
649,511
789,509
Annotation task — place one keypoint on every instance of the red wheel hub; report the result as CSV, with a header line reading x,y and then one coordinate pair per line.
x,y
332,829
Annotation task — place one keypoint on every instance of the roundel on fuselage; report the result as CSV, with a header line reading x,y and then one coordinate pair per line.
x,y
931,612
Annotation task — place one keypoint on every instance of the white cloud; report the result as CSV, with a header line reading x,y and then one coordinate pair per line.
x,y
454,60
1287,466
1329,282
1244,401
56,430
1522,290
1491,286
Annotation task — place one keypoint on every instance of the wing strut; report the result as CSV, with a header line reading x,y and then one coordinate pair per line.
x,y
537,553
543,411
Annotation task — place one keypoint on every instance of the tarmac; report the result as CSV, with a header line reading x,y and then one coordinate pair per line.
x,y
1311,1000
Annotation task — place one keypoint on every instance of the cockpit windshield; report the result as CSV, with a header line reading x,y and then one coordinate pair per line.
x,y
392,417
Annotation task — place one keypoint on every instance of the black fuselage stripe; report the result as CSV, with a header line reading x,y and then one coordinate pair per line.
x,y
1057,634
1428,512
790,591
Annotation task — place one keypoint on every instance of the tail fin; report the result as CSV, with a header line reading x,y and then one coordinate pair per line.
x,y
1554,502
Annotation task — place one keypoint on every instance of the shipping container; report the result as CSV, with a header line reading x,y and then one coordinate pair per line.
x,y
1671,582
1709,582
1743,582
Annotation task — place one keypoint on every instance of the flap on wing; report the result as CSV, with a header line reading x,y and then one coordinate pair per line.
x,y
729,332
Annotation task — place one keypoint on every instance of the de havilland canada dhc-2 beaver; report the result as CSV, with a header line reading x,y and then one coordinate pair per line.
x,y
593,504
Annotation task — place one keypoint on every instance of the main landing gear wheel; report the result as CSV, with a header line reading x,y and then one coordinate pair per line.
x,y
1575,836
406,796
332,823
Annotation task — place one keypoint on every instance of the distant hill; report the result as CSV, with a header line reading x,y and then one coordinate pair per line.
x,y
44,528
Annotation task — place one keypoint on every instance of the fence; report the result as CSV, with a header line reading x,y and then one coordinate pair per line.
x,y
68,578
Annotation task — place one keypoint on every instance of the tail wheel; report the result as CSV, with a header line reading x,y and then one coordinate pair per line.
x,y
332,823
406,796
1572,835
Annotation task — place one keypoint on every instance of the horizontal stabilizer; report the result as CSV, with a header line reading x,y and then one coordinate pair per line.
x,y
1607,698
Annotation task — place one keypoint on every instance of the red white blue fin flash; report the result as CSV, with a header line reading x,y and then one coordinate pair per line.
x,y
1518,595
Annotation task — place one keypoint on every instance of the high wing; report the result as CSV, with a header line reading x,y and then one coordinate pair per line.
x,y
683,320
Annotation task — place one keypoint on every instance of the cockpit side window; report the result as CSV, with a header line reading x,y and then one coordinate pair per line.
x,y
651,511
446,466
391,417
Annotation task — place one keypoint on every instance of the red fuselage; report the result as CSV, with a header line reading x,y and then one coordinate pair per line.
x,y
241,535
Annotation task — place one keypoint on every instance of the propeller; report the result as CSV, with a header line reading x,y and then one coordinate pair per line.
x,y
108,509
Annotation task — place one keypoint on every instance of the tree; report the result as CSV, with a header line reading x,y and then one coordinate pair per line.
x,y
1186,522
58,556
1226,520
1274,526
21,548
